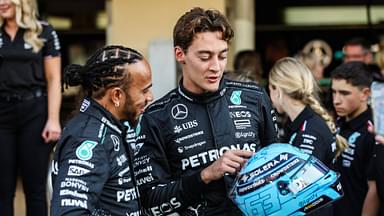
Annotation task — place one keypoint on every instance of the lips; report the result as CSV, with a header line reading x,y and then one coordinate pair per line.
x,y
213,79
4,8
339,110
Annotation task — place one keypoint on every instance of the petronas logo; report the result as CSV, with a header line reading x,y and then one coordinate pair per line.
x,y
235,97
84,151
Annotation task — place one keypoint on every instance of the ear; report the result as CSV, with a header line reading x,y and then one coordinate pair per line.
x,y
116,95
365,93
179,54
279,93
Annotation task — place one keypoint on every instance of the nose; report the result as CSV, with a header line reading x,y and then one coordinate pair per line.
x,y
149,97
336,99
214,64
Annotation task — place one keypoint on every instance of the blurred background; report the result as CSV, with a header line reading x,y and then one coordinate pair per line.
x,y
273,28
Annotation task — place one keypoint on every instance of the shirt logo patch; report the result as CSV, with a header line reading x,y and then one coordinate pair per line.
x,y
179,111
352,139
84,105
235,97
74,170
27,46
136,147
84,151
116,142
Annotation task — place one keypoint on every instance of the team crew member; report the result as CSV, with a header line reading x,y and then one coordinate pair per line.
x,y
351,89
192,140
294,91
92,167
30,98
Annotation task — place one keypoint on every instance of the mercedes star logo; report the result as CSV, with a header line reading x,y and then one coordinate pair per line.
x,y
179,111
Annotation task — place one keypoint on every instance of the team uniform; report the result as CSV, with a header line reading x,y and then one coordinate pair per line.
x,y
23,115
355,164
311,134
182,133
92,168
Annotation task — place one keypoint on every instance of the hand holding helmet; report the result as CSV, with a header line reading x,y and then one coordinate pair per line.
x,y
230,162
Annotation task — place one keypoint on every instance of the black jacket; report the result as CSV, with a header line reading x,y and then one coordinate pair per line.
x,y
182,133
92,168
311,134
22,70
355,164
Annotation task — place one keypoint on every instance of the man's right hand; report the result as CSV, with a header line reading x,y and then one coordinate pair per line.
x,y
230,162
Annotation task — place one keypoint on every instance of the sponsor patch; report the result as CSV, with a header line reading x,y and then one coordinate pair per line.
x,y
179,111
84,105
116,142
84,151
77,171
235,97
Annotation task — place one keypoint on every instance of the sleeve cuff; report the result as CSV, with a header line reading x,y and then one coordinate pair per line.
x,y
193,184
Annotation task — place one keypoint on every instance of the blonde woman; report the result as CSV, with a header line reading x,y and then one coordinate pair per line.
x,y
294,91
30,97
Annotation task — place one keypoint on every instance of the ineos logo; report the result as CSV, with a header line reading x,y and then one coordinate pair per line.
x,y
179,111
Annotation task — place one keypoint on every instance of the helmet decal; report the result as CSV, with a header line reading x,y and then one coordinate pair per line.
x,y
280,179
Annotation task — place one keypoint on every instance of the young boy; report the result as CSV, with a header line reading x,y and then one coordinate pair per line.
x,y
351,89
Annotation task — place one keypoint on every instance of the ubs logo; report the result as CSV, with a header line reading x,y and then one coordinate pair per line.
x,y
179,111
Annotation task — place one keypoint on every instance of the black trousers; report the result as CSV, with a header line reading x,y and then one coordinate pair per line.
x,y
22,150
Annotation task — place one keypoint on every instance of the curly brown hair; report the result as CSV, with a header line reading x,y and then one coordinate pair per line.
x,y
199,20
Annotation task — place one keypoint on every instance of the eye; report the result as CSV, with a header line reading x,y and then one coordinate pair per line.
x,y
223,56
345,93
204,57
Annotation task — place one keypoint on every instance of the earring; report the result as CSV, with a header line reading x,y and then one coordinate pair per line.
x,y
117,104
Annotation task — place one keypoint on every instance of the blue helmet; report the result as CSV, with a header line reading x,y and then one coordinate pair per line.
x,y
282,180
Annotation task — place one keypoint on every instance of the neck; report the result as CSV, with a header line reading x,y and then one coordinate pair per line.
x,y
357,112
108,105
293,108
11,24
11,28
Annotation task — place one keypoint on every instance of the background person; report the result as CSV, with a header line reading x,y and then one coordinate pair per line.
x,y
30,97
192,140
294,91
358,49
247,67
351,83
92,170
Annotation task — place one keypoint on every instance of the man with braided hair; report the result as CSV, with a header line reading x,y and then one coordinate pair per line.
x,y
92,171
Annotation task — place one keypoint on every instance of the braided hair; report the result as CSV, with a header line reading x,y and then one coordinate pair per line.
x,y
297,81
103,70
